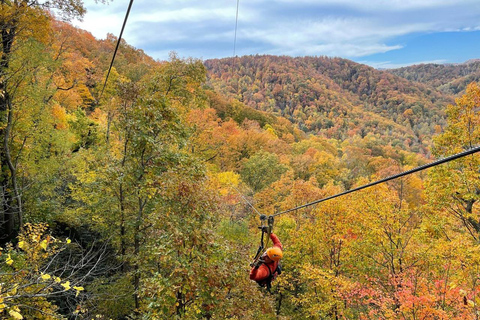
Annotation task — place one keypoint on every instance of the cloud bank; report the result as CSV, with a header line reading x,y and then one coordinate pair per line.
x,y
345,28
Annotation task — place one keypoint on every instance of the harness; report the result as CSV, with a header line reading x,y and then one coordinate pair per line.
x,y
266,228
267,282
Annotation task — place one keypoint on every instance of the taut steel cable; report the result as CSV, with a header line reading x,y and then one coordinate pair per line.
x,y
116,47
423,167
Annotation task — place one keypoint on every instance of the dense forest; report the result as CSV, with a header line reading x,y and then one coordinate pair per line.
x,y
334,97
133,200
448,78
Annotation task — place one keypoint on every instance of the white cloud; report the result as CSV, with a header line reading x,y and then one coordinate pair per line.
x,y
352,37
346,28
384,5
202,16
190,15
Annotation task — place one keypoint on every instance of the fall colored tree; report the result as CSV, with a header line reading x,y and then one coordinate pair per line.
x,y
144,203
21,22
456,185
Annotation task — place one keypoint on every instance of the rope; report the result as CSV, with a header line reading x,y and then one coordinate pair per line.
x,y
423,167
116,47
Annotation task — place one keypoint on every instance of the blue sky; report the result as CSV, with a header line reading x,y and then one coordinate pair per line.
x,y
380,33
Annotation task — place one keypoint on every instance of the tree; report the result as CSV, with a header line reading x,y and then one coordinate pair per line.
x,y
20,21
456,185
261,170
41,270
145,167
453,191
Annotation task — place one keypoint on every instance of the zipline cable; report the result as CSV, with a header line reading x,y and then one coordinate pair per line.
x,y
116,47
235,37
248,202
423,167
235,43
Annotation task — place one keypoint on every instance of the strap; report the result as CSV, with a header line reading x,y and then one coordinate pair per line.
x,y
270,224
269,229
268,280
266,227
263,218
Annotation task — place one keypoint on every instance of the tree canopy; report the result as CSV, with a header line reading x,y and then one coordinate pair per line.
x,y
138,204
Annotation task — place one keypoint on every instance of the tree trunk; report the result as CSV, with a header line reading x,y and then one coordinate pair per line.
x,y
8,185
123,244
136,252
12,169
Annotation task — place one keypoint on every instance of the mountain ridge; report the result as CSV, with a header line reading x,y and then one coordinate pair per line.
x,y
334,97
447,78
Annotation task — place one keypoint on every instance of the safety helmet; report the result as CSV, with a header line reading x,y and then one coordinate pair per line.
x,y
275,253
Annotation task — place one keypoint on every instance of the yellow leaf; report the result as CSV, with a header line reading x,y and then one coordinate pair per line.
x,y
66,285
14,290
44,244
21,244
46,276
78,290
68,240
9,260
58,280
471,303
15,315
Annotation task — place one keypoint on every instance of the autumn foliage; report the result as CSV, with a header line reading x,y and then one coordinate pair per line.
x,y
137,203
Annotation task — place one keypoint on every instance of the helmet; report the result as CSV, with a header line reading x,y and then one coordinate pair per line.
x,y
275,253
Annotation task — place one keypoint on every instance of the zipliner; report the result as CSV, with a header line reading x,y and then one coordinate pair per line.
x,y
268,267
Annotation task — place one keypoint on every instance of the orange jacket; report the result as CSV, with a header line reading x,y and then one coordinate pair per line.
x,y
261,273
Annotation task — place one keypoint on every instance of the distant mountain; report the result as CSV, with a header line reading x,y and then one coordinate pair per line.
x,y
334,97
448,78
472,61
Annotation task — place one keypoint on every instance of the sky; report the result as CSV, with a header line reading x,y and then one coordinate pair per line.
x,y
379,33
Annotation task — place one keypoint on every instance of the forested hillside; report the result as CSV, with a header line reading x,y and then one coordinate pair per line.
x,y
448,78
334,97
135,202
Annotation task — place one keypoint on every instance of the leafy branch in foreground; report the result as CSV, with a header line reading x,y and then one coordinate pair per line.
x,y
41,269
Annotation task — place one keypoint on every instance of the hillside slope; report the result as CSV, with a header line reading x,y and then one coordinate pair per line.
x,y
448,78
332,96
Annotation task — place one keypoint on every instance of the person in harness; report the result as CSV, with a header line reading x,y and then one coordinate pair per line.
x,y
268,267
